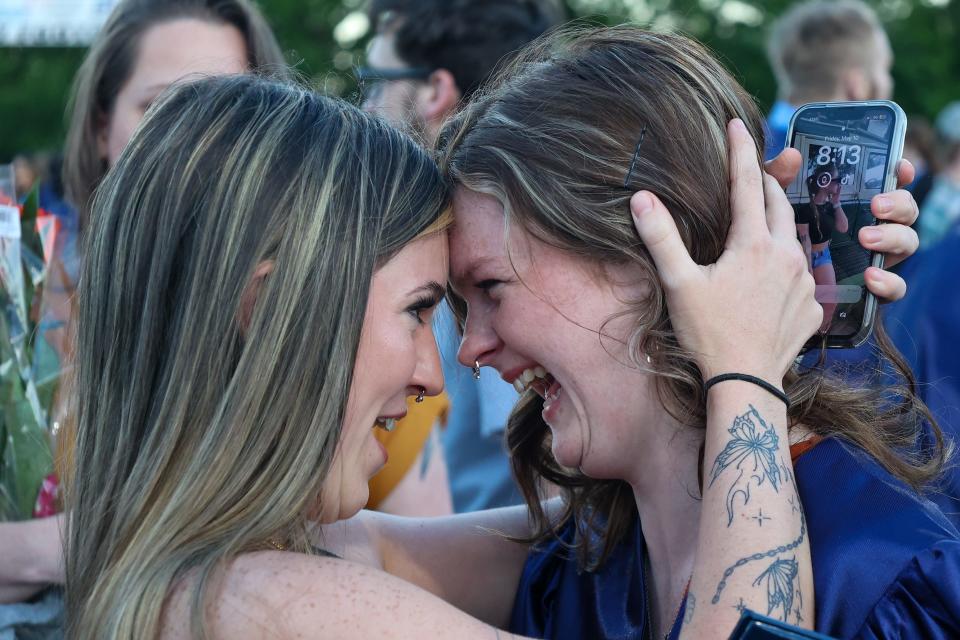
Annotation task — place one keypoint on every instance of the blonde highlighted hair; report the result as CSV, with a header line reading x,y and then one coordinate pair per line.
x,y
198,438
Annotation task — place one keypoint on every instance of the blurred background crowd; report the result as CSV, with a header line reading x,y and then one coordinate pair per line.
x,y
327,39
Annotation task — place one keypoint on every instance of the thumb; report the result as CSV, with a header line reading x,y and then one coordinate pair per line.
x,y
784,167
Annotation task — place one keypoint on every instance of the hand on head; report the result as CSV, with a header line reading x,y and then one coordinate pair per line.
x,y
752,310
753,303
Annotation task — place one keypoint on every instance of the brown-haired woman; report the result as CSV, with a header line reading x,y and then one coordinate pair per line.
x,y
572,278
750,311
145,46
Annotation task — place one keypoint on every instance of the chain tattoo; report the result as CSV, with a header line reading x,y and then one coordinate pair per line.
x,y
752,454
772,553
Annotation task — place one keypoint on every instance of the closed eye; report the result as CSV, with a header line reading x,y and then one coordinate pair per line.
x,y
486,285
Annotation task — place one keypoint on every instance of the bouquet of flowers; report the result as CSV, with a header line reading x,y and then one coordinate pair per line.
x,y
29,367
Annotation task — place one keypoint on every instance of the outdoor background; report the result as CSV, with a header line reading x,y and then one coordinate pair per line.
x,y
325,39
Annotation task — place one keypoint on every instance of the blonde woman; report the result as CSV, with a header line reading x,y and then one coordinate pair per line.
x,y
144,47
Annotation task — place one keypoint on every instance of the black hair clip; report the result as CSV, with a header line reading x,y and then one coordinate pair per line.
x,y
633,160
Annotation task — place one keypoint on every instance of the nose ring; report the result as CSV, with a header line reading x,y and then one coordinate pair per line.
x,y
476,369
419,397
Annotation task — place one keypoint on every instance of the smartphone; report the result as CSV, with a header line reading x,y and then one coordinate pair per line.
x,y
850,152
753,626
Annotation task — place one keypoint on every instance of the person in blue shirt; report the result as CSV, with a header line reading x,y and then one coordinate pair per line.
x,y
825,51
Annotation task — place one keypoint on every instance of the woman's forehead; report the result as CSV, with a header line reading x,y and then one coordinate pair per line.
x,y
478,232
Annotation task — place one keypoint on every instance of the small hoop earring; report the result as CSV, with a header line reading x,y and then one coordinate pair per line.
x,y
476,369
419,397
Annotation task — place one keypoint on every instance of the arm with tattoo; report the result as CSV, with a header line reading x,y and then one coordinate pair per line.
x,y
753,551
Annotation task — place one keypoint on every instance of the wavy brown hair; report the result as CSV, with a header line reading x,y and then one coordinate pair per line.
x,y
552,140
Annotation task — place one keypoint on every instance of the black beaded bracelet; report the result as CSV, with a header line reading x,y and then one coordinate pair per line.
x,y
763,384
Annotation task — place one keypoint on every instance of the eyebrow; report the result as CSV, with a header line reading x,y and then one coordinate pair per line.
x,y
434,289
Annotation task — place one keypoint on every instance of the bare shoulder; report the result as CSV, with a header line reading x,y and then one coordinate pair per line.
x,y
289,595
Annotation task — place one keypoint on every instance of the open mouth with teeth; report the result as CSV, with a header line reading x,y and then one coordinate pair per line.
x,y
387,424
538,379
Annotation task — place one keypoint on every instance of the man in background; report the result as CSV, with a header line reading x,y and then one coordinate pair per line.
x,y
426,59
826,51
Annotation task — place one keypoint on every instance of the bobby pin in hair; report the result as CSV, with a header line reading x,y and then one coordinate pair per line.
x,y
633,160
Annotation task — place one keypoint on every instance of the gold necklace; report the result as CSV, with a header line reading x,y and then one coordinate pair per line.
x,y
276,544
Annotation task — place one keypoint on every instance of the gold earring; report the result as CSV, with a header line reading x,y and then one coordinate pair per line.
x,y
419,397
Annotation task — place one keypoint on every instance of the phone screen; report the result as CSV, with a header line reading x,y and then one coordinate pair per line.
x,y
846,161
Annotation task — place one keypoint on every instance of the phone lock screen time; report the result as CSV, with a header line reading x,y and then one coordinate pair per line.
x,y
846,161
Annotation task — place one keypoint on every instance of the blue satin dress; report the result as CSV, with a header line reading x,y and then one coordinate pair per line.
x,y
886,564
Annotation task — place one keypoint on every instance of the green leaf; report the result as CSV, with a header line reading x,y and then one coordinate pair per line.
x,y
25,454
27,458
46,370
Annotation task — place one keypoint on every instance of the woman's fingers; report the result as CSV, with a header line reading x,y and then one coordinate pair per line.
x,y
905,173
659,234
888,287
896,241
780,217
748,213
895,206
785,166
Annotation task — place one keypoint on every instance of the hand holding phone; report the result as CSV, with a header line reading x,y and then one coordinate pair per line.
x,y
850,152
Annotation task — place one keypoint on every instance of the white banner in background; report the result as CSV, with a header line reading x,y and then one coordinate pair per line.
x,y
51,23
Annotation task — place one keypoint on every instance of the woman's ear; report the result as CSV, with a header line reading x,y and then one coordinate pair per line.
x,y
248,299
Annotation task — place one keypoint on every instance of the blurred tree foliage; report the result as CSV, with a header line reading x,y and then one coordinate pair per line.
x,y
923,33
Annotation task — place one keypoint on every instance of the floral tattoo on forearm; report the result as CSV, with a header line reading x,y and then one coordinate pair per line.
x,y
751,457
751,452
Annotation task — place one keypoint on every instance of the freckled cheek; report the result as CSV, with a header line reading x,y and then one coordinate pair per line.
x,y
513,320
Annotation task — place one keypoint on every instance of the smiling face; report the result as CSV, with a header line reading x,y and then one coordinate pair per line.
x,y
547,320
396,357
179,49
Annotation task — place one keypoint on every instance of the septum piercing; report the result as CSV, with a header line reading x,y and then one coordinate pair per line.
x,y
419,397
476,369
